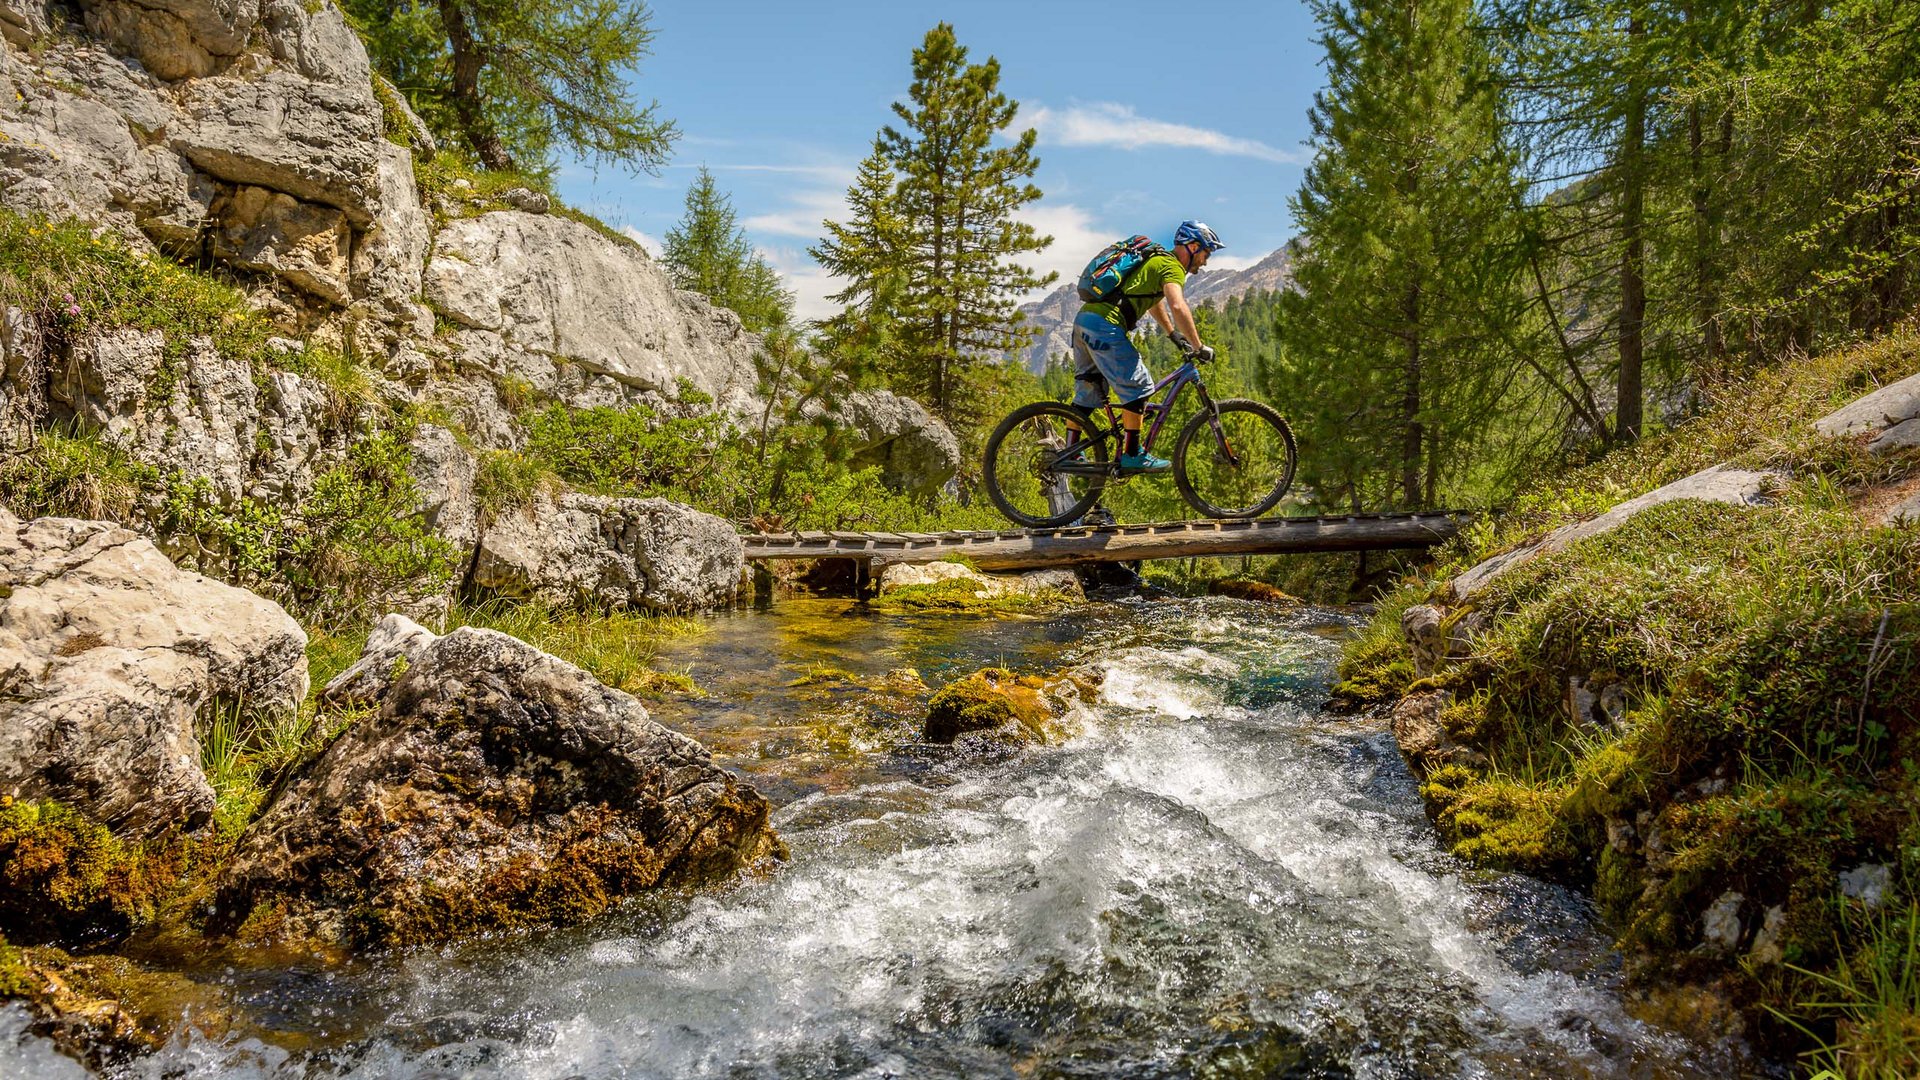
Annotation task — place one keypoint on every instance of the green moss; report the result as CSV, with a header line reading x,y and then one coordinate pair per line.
x,y
1376,666
1501,823
992,699
65,878
77,283
602,861
393,113
968,597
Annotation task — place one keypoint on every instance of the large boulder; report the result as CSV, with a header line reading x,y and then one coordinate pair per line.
x,y
554,294
647,553
933,580
252,123
107,653
913,450
497,787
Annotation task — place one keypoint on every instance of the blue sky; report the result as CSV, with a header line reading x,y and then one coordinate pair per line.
x,y
1147,113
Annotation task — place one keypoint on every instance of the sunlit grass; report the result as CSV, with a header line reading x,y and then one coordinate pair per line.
x,y
620,648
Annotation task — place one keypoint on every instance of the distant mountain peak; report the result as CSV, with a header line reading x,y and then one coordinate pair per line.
x,y
1054,312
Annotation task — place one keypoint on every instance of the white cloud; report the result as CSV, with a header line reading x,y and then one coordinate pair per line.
x,y
809,284
1076,238
645,240
1223,263
1110,124
807,207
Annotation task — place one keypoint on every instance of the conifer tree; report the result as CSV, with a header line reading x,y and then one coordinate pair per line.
x,y
515,82
1390,364
956,194
708,253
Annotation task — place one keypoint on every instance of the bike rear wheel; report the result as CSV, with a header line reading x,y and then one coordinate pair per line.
x,y
1241,472
1029,474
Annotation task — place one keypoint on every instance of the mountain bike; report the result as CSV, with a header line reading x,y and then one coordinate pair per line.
x,y
1047,463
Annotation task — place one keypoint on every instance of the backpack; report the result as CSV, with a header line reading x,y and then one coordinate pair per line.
x,y
1100,281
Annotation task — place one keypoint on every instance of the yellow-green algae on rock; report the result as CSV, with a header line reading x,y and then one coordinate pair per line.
x,y
1020,707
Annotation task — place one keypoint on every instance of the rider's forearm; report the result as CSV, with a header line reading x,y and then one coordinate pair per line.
x,y
1159,313
1183,318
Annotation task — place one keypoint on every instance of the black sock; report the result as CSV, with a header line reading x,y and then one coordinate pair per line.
x,y
1133,443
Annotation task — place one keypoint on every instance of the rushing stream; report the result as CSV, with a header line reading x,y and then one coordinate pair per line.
x,y
1209,878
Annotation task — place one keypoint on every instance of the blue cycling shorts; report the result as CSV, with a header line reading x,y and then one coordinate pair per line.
x,y
1102,349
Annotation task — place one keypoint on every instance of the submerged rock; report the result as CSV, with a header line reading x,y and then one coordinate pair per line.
x,y
1022,708
498,787
102,1010
107,653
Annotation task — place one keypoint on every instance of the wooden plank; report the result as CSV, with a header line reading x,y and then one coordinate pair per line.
x,y
1164,540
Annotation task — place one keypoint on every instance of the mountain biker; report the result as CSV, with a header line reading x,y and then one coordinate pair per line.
x,y
1103,355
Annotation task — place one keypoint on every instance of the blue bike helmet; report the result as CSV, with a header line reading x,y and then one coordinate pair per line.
x,y
1196,232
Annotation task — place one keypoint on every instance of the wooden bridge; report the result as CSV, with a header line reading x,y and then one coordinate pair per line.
x,y
1024,549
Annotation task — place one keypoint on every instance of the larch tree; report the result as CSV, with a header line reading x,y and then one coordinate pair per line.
x,y
866,252
1391,358
515,81
957,194
708,253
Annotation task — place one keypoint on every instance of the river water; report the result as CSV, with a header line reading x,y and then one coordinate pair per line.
x,y
1206,877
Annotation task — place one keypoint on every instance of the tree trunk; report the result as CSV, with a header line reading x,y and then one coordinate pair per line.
x,y
1633,285
468,106
1413,442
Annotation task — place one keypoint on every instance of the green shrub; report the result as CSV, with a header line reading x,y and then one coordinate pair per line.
x,y
77,283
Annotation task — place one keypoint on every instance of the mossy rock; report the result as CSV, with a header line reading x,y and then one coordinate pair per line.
x,y
103,1010
1247,589
65,879
1024,708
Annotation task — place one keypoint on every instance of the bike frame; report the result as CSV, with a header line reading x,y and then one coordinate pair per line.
x,y
1173,385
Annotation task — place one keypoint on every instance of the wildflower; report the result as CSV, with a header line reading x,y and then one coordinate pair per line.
x,y
73,308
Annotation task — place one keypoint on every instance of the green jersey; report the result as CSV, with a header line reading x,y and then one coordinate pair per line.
x,y
1140,290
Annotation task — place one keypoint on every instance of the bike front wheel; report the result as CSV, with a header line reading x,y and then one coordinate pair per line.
x,y
1038,472
1239,469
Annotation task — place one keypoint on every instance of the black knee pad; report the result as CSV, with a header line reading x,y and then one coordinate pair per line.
x,y
1137,405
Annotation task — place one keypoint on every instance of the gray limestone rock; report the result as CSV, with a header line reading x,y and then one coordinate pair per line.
x,y
913,450
1868,883
393,645
445,473
527,199
1425,628
1904,512
318,142
291,436
1766,948
1720,927
554,288
1717,484
647,553
270,232
203,425
497,787
1904,435
1875,412
23,21
107,653
1032,583
389,257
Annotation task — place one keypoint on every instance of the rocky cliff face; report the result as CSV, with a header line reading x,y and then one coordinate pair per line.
x,y
251,135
